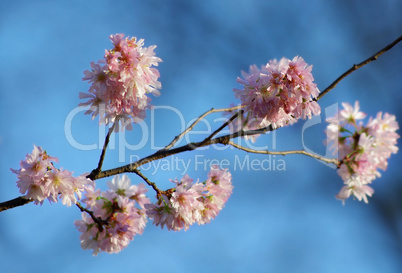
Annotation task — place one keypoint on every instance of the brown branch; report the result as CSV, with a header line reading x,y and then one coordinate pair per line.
x,y
224,140
171,144
223,126
327,160
16,202
199,144
102,156
357,66
152,184
99,221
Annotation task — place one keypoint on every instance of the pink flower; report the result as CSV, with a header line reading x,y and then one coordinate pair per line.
x,y
358,189
121,218
123,222
138,195
121,82
163,214
38,179
186,205
350,114
192,202
279,93
91,194
363,150
219,183
123,187
384,129
96,103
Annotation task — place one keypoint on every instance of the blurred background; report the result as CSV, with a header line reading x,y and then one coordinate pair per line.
x,y
284,218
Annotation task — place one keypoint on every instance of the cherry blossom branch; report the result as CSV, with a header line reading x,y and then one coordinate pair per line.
x,y
224,140
102,156
171,144
357,66
19,201
327,160
223,126
152,184
16,202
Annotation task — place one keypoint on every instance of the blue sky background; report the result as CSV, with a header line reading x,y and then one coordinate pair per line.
x,y
275,221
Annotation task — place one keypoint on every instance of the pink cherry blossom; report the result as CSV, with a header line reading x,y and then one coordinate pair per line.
x,y
121,82
192,202
350,114
163,214
91,194
362,149
120,212
38,179
279,93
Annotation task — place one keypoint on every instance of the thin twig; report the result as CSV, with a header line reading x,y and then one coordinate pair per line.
x,y
107,139
357,66
97,220
171,144
223,126
152,184
102,156
327,160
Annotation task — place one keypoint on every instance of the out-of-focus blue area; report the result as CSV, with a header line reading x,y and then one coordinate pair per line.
x,y
276,220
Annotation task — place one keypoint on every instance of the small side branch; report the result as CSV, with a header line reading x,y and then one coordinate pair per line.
x,y
102,156
152,184
357,66
97,220
327,160
222,126
177,138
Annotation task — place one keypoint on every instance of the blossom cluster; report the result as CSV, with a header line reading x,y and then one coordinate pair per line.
x,y
192,202
38,179
119,212
279,93
121,82
112,218
362,149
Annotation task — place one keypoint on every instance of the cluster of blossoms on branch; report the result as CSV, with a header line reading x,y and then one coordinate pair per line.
x,y
192,202
38,179
278,94
112,218
121,82
362,149
119,212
